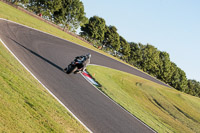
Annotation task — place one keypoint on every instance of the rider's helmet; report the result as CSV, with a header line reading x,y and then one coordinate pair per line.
x,y
88,56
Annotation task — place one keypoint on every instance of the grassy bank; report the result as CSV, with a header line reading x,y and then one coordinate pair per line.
x,y
25,106
164,109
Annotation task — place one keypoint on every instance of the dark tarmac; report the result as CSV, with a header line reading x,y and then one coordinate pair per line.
x,y
46,56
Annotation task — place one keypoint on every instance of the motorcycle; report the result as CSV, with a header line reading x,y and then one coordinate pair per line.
x,y
74,67
78,65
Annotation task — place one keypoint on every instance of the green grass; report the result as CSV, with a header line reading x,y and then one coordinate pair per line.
x,y
25,106
164,109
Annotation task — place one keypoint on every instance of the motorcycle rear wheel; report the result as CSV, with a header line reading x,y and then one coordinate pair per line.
x,y
71,69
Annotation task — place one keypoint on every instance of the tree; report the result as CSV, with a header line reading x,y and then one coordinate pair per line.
x,y
150,59
71,15
51,6
111,39
95,28
46,7
125,48
182,81
19,1
178,79
193,88
164,66
135,57
37,6
175,76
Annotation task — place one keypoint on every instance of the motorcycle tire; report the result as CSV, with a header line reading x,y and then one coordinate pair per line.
x,y
71,69
65,70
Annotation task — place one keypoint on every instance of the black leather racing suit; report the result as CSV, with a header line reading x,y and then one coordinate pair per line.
x,y
83,62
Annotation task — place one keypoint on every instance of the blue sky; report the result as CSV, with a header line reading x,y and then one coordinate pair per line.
x,y
169,25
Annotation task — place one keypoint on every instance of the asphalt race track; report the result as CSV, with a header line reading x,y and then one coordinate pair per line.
x,y
46,56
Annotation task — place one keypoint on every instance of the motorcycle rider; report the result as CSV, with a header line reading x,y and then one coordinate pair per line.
x,y
83,60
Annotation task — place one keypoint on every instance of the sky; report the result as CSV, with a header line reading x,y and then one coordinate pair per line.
x,y
172,26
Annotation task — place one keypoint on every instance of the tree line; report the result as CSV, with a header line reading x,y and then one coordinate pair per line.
x,y
70,15
67,13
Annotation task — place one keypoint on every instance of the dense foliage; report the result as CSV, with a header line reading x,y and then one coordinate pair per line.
x,y
70,14
158,64
146,57
67,13
94,29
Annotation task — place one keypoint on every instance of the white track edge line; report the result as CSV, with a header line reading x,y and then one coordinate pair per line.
x,y
117,103
46,88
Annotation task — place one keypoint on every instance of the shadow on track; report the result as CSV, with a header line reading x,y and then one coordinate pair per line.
x,y
36,54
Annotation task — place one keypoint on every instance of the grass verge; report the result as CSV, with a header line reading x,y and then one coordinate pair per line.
x,y
25,106
164,109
